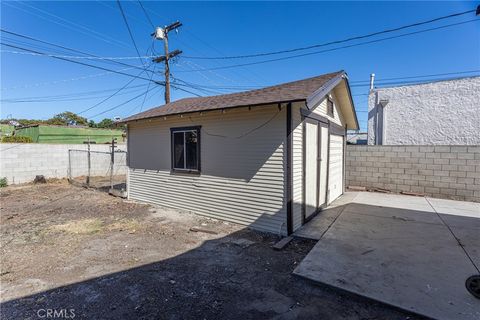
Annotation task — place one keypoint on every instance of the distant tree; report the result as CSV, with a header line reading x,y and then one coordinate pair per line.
x,y
68,118
106,123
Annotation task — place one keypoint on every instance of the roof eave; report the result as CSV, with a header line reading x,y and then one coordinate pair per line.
x,y
126,121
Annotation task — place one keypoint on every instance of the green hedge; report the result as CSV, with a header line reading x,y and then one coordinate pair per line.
x,y
3,182
17,139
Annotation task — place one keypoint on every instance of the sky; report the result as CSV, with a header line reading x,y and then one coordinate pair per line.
x,y
36,86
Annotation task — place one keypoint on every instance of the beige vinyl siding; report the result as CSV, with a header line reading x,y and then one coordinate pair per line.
x,y
321,109
242,166
297,165
335,171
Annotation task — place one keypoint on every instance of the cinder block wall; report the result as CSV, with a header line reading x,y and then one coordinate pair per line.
x,y
21,162
450,172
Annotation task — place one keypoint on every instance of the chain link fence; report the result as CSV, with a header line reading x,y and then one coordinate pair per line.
x,y
98,169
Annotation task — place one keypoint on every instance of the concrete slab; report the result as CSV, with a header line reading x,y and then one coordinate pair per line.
x,y
318,226
393,201
458,208
396,249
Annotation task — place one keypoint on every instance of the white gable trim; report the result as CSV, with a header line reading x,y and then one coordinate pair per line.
x,y
315,98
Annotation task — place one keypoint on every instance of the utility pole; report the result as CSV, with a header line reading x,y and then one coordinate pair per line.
x,y
162,34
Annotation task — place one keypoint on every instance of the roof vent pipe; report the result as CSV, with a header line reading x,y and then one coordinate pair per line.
x,y
372,78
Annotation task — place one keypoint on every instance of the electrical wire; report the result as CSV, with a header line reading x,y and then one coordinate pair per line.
x,y
81,57
379,82
112,95
218,87
62,81
333,49
129,30
243,134
419,76
145,97
66,48
67,98
337,41
146,14
77,62
119,105
203,42
69,24
102,68
154,92
75,94
391,83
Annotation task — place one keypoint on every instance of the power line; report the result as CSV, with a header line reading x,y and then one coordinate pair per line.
x,y
408,82
209,46
63,80
196,85
333,49
78,62
8,101
66,96
419,76
113,7
119,105
145,97
218,87
146,14
68,24
129,30
66,48
113,94
337,41
82,57
188,91
102,68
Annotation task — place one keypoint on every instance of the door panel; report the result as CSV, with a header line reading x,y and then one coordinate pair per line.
x,y
311,174
335,177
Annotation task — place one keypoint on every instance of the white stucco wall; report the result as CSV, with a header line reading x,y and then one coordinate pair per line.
x,y
437,113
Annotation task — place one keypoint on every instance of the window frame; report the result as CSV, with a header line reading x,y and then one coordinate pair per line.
x,y
172,148
332,112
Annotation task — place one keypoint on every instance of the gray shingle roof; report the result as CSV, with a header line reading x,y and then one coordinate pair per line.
x,y
286,92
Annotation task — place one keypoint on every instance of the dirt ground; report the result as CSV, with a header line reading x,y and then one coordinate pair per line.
x,y
82,253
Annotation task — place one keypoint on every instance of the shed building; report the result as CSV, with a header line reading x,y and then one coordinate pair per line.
x,y
269,158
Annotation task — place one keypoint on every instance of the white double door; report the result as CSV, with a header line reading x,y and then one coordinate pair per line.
x,y
316,163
